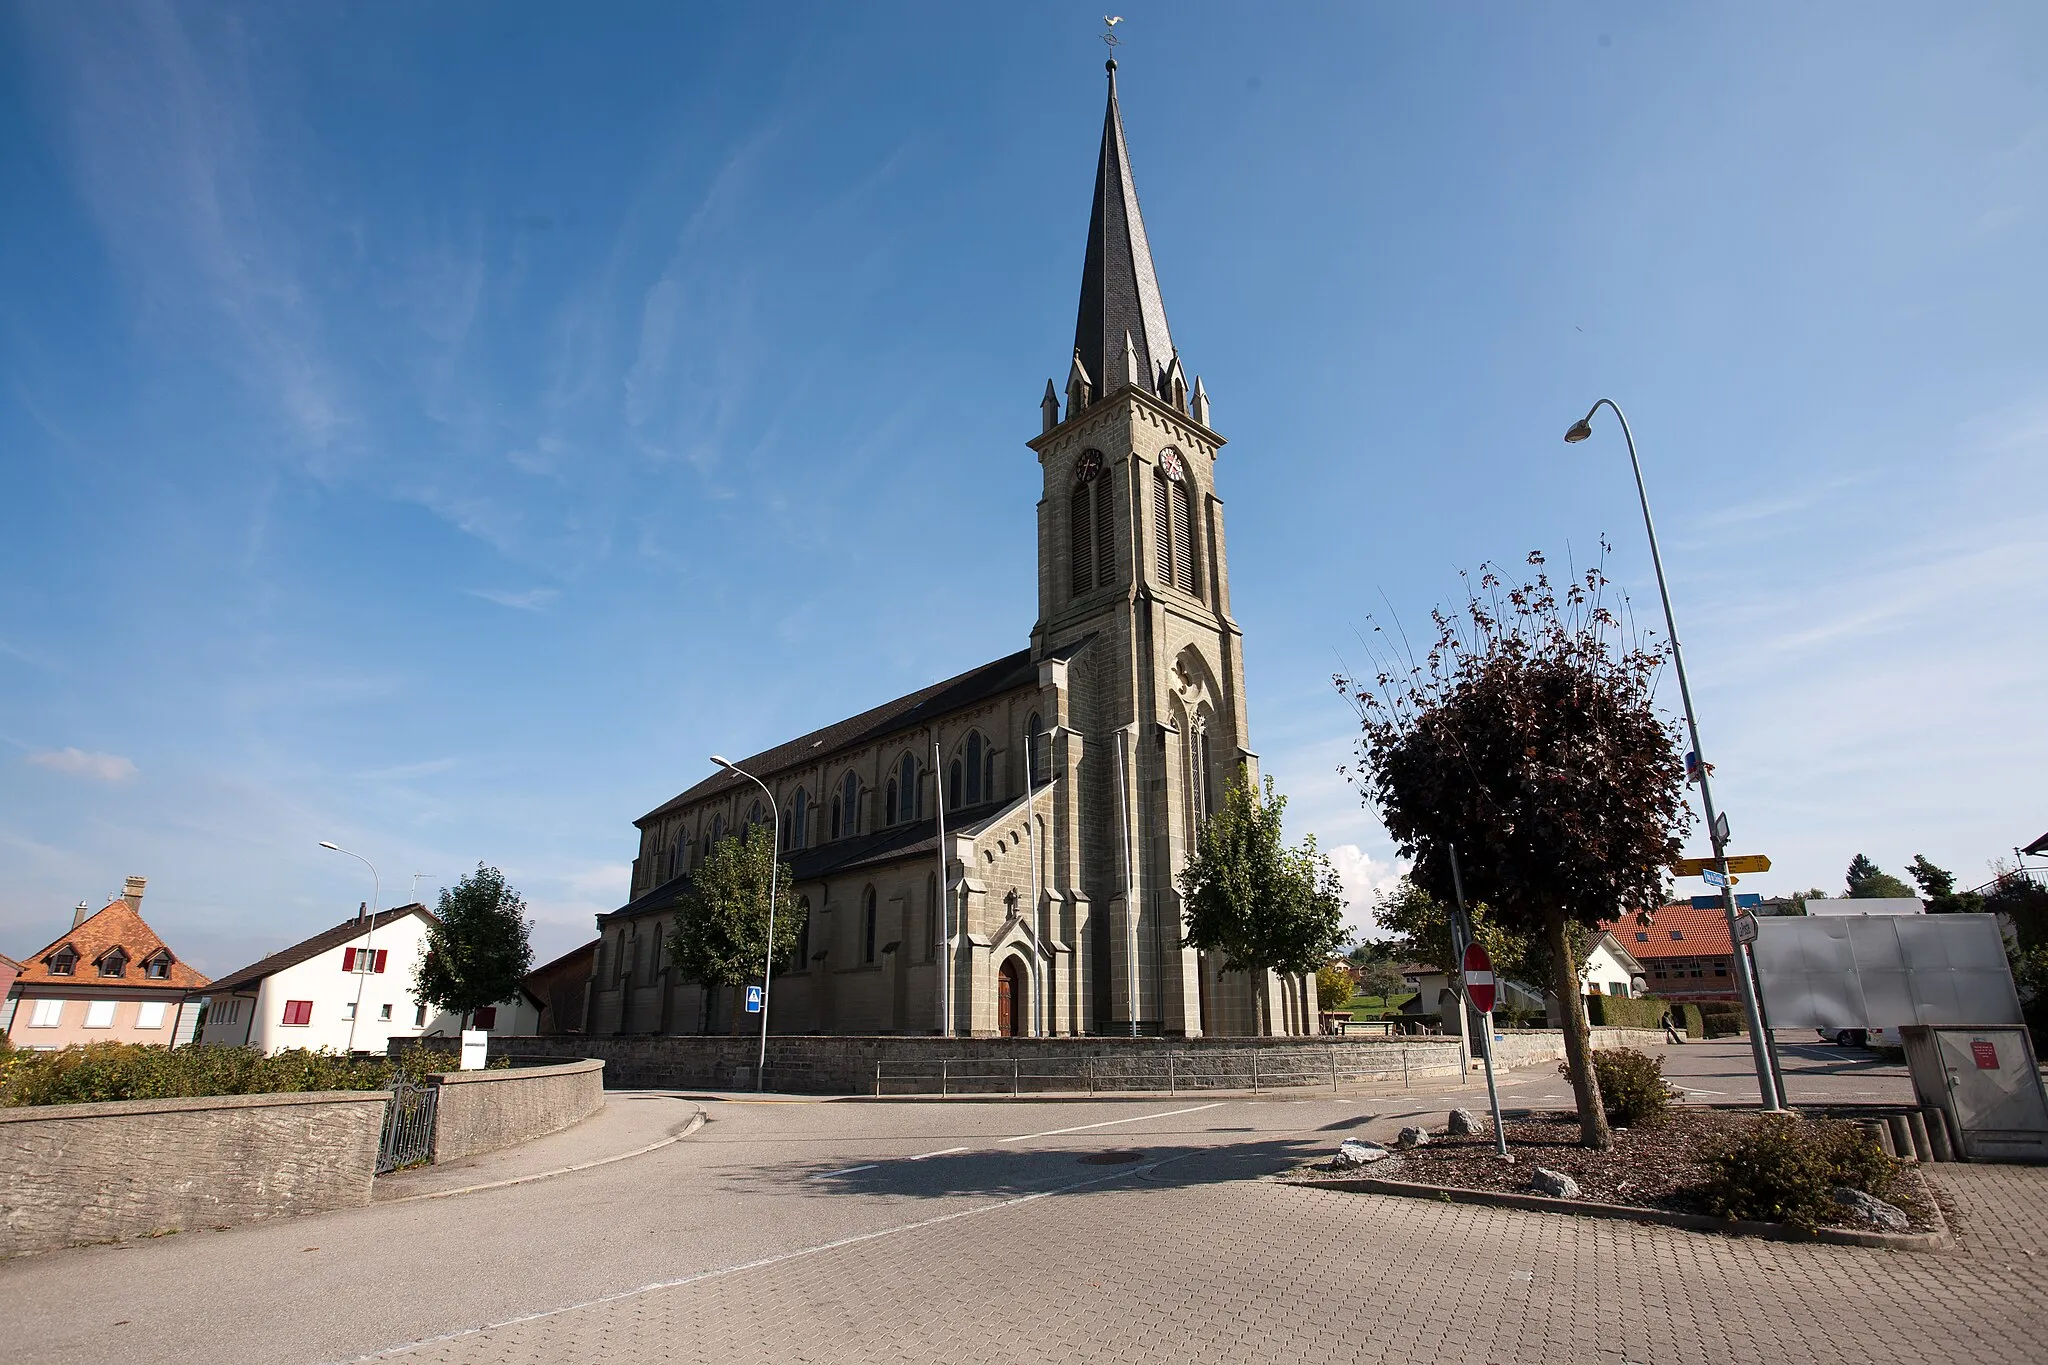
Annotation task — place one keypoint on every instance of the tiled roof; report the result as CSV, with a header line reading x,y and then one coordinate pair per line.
x,y
977,685
352,927
585,951
117,925
1702,933
898,843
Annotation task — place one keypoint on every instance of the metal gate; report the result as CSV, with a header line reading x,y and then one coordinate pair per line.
x,y
408,1124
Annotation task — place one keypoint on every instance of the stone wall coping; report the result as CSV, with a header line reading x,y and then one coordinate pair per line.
x,y
519,1073
106,1109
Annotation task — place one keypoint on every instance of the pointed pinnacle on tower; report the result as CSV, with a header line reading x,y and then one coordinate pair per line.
x,y
1049,407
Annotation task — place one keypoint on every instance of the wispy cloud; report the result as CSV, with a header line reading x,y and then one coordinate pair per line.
x,y
79,763
533,599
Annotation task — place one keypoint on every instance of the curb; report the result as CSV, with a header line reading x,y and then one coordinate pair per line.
x,y
691,1125
1691,1222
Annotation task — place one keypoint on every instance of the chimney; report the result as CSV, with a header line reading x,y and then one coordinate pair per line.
x,y
80,914
132,893
362,911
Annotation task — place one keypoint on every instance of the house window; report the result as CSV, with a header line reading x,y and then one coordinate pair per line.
x,y
48,1014
348,1011
297,1013
1642,937
906,783
1720,969
384,1013
364,960
419,1016
974,769
1619,988
62,961
1677,934
99,1014
487,1017
1592,988
150,1014
867,926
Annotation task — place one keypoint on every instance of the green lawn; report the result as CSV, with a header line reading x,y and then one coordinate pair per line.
x,y
1365,1008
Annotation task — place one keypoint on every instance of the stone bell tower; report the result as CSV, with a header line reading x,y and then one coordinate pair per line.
x,y
1140,662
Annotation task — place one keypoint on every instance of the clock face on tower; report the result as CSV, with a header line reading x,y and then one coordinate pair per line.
x,y
1089,467
1169,464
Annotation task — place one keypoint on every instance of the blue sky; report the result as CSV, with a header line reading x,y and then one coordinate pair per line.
x,y
436,428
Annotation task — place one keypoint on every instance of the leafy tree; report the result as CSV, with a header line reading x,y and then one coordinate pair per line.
x,y
1811,893
1381,978
1529,738
1867,880
721,930
1260,904
1422,927
478,952
1333,987
1938,887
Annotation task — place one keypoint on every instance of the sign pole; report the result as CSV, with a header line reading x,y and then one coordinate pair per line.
x,y
1474,951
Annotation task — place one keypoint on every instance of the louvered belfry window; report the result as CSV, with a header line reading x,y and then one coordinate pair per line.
x,y
1105,534
1078,519
1183,538
1162,529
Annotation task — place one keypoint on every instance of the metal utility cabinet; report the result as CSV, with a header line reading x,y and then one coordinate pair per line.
x,y
1987,1083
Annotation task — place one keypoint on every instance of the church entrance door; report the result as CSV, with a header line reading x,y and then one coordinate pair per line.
x,y
1009,998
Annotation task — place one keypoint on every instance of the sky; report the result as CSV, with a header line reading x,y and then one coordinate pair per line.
x,y
435,428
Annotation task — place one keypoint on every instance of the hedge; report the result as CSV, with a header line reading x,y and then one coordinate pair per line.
x,y
84,1074
1624,1011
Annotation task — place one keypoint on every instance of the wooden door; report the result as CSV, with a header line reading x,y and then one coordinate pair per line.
x,y
1006,999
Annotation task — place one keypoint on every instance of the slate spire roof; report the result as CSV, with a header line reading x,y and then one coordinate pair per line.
x,y
1119,289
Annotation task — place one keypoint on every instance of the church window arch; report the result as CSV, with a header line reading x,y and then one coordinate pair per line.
x,y
717,827
889,802
755,816
680,859
1034,741
974,773
953,786
1173,524
906,786
850,801
799,817
867,926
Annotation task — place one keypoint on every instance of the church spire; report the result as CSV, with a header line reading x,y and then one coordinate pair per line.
x,y
1122,314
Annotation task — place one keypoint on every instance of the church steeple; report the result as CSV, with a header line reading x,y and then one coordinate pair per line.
x,y
1122,321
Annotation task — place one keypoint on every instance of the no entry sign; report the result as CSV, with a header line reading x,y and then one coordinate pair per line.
x,y
1479,978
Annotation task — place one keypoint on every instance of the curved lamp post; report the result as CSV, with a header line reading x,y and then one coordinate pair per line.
x,y
369,939
774,875
1766,1076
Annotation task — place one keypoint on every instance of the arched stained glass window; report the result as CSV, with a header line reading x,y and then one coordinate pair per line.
x,y
852,803
974,769
1033,740
754,815
799,813
953,786
906,783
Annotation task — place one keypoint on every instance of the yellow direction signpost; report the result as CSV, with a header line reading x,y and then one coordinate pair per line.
x,y
1743,862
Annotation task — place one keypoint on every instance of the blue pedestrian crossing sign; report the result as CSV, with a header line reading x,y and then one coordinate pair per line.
x,y
753,1000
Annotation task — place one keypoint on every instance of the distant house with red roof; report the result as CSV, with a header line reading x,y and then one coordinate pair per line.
x,y
108,979
1685,953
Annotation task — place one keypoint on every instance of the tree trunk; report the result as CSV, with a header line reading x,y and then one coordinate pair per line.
x,y
1578,1038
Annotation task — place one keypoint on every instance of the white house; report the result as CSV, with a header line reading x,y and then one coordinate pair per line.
x,y
348,989
1608,968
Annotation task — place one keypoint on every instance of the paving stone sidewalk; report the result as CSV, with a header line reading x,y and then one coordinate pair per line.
x,y
1200,1262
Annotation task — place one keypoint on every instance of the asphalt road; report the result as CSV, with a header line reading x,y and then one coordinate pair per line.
x,y
761,1190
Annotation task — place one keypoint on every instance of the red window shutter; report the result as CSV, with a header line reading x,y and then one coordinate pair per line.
x,y
348,959
487,1017
298,1011
382,953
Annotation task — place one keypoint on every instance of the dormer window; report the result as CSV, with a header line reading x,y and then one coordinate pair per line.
x,y
64,961
113,962
158,968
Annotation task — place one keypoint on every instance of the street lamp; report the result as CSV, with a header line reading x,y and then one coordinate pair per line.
x,y
370,938
774,874
1768,1086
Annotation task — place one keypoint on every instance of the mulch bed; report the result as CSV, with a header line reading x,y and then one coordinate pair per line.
x,y
1654,1165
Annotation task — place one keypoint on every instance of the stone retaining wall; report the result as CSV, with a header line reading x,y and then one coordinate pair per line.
x,y
481,1111
897,1064
72,1173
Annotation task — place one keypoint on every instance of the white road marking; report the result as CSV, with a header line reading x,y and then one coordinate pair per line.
x,y
765,1261
1690,1091
943,1151
848,1171
1111,1123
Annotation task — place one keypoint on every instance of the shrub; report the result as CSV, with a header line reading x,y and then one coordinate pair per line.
x,y
1623,1011
1784,1170
1632,1085
141,1071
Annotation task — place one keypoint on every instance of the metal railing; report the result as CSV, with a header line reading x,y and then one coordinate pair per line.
x,y
408,1124
1305,1065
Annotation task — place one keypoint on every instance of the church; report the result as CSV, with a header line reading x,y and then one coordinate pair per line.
x,y
996,854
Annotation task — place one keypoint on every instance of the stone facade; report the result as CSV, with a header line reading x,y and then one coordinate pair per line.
x,y
78,1173
997,854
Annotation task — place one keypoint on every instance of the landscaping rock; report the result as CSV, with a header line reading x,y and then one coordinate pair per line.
x,y
1868,1208
1463,1124
1556,1184
1412,1137
1356,1152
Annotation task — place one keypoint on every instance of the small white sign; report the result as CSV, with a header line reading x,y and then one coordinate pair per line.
x,y
475,1043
